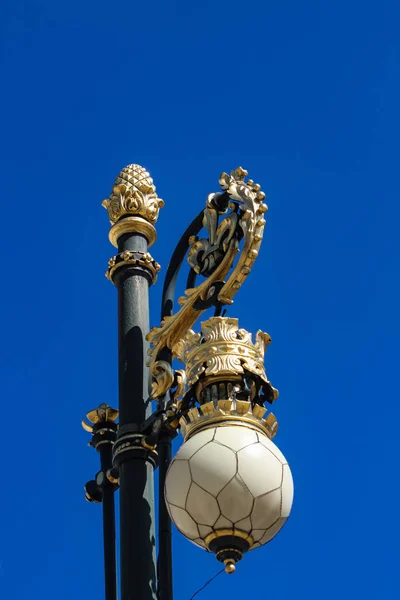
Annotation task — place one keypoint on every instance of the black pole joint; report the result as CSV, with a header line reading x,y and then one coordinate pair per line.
x,y
101,489
132,445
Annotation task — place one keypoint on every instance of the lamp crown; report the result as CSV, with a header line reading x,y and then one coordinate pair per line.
x,y
222,350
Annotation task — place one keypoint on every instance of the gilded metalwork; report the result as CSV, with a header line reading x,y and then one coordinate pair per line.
x,y
207,253
90,498
102,413
132,225
163,378
172,416
133,195
180,375
148,446
113,476
252,223
222,350
228,532
137,258
214,257
228,412
229,566
174,328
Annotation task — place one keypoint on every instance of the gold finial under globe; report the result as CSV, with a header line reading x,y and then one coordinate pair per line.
x,y
133,205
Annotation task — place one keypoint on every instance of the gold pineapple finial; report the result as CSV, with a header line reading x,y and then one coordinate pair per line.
x,y
133,204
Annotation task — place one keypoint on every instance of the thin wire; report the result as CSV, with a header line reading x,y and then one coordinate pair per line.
x,y
206,583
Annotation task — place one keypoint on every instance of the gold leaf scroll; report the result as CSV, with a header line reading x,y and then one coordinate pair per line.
x,y
249,199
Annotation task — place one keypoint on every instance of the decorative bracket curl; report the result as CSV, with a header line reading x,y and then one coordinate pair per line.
x,y
165,378
214,257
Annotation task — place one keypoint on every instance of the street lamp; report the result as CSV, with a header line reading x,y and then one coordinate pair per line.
x,y
229,488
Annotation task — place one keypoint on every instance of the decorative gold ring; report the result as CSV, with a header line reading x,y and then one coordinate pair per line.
x,y
132,225
134,257
224,532
261,426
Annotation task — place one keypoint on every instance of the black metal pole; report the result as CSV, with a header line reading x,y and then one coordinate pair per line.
x,y
136,477
110,568
103,428
164,562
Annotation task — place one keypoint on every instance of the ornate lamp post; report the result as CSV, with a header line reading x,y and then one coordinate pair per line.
x,y
229,488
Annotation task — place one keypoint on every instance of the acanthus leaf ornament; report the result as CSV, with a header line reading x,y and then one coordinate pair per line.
x,y
133,204
180,380
252,224
163,378
173,328
206,254
133,193
224,350
214,257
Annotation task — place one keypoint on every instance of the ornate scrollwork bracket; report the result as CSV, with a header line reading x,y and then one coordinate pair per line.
x,y
165,378
232,218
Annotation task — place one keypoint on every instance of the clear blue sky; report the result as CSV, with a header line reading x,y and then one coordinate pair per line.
x,y
305,95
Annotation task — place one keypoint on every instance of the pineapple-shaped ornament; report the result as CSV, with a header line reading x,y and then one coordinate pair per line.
x,y
133,194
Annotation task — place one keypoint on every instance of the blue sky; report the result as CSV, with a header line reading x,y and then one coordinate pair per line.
x,y
305,96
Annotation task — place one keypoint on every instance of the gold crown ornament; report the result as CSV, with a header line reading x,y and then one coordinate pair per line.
x,y
217,362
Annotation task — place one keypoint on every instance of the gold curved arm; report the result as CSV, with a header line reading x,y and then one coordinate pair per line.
x,y
214,257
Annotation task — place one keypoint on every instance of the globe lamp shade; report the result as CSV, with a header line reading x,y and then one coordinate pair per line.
x,y
229,490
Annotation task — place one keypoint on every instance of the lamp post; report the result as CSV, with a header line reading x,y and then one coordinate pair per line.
x,y
229,489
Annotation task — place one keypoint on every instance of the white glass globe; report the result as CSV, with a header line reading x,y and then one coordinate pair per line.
x,y
232,478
